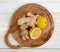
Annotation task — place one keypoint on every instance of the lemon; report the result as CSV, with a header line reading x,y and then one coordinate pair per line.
x,y
35,32
41,22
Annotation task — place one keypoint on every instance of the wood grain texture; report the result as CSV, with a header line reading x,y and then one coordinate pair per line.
x,y
8,7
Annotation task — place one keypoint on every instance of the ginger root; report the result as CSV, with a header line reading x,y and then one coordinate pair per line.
x,y
24,22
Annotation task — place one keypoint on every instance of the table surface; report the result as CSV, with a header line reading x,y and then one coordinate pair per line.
x,y
8,7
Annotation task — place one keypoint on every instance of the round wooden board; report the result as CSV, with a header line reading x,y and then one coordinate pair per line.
x,y
15,31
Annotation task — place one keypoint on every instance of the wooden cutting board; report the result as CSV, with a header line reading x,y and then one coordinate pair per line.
x,y
15,30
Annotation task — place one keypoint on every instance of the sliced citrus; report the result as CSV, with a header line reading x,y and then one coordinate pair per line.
x,y
41,22
35,32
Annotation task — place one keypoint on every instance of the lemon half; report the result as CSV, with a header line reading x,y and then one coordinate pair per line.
x,y
41,22
35,32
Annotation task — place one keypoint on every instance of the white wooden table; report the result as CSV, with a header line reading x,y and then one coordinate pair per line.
x,y
8,7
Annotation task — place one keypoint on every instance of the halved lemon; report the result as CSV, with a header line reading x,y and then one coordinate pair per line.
x,y
35,32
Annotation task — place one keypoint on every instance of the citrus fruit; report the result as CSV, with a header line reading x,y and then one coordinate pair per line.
x,y
41,22
35,32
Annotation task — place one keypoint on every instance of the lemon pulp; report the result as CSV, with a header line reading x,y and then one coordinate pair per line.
x,y
35,32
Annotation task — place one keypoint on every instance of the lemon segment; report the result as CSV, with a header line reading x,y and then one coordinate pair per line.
x,y
41,22
35,32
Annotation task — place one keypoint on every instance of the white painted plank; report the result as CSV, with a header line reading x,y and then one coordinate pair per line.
x,y
30,50
5,1
54,1
10,7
